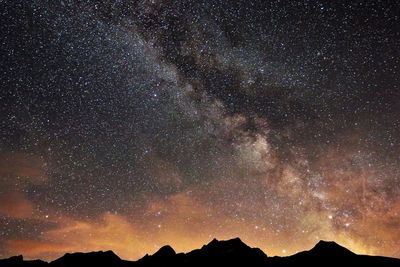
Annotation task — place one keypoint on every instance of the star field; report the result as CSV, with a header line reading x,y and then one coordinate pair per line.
x,y
128,125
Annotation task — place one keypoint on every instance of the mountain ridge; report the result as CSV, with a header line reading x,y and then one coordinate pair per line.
x,y
232,252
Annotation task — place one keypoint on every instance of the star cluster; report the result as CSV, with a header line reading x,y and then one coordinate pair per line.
x,y
128,125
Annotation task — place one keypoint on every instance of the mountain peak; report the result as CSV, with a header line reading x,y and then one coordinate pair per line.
x,y
330,247
165,251
230,243
234,246
100,252
95,257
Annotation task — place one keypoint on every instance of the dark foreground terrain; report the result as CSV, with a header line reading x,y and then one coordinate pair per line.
x,y
217,253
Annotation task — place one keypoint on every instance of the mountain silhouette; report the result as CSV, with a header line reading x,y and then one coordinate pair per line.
x,y
330,248
231,252
99,258
17,261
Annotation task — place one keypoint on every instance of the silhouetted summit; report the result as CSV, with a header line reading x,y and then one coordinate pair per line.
x,y
18,261
165,251
231,252
329,253
164,254
330,248
98,258
226,252
225,246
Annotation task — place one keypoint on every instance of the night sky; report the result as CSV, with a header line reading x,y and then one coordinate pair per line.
x,y
128,125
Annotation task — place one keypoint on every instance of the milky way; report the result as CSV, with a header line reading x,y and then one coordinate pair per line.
x,y
128,125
